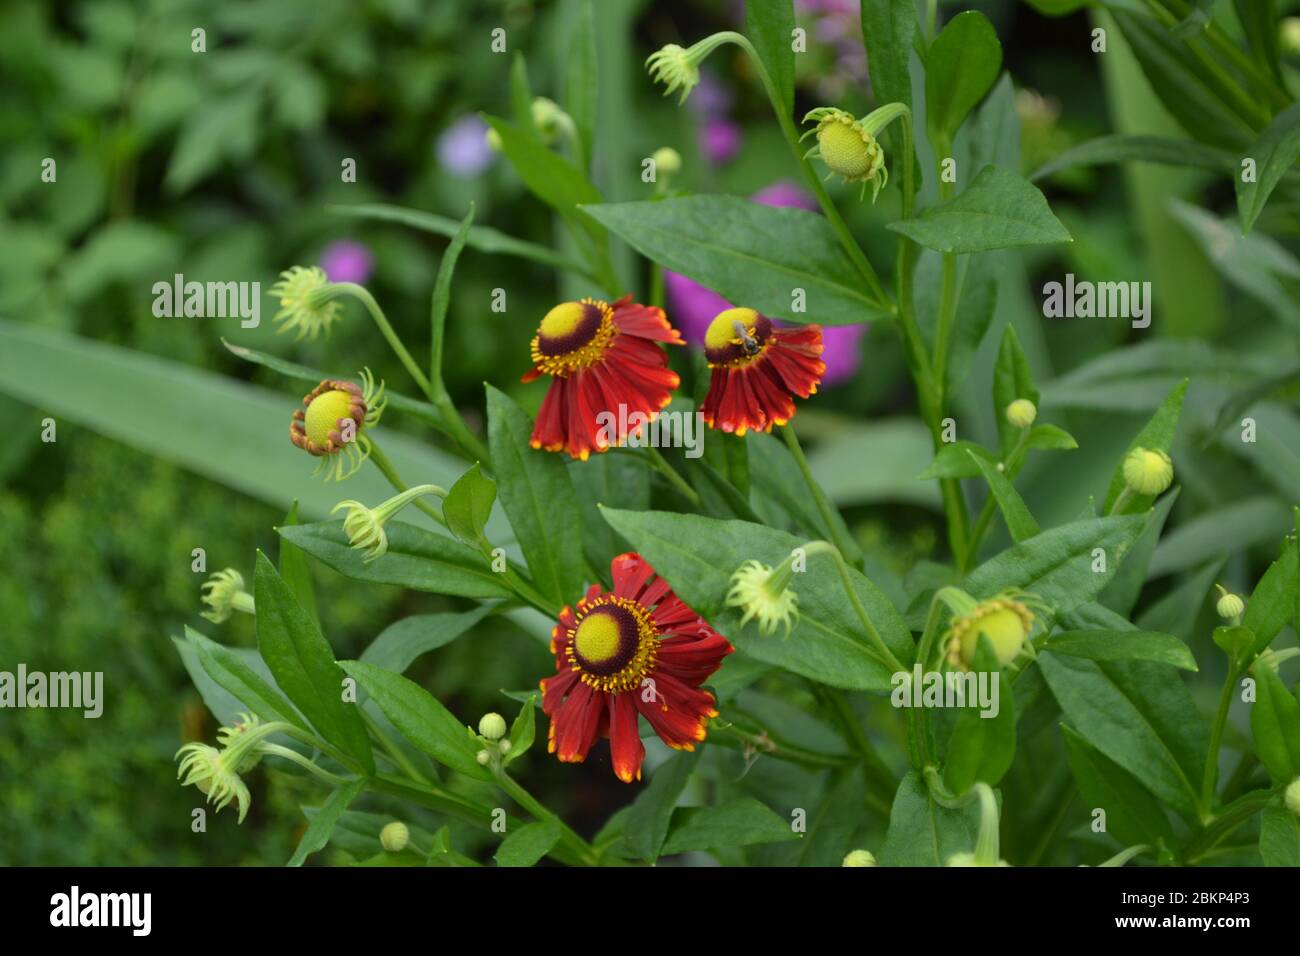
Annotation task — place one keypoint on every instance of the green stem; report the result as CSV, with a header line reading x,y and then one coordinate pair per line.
x,y
876,768
1011,469
394,752
1216,741
459,432
764,743
576,844
1231,817
362,294
660,464
851,247
829,516
390,472
275,750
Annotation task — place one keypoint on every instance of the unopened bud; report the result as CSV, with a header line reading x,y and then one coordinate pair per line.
x,y
394,837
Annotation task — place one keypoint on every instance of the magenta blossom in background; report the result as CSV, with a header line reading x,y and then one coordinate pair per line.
x,y
720,140
347,261
463,147
693,306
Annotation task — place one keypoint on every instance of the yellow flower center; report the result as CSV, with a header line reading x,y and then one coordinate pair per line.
x,y
324,412
845,149
573,336
1005,623
614,644
736,337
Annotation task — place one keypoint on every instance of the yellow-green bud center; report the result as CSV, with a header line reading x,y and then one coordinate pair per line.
x,y
1021,413
324,412
395,836
846,149
492,726
1148,472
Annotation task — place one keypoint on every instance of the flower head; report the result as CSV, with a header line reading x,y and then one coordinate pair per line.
x,y
492,726
332,421
849,147
303,306
606,370
395,836
213,772
1148,471
223,593
667,160
550,121
1229,606
1005,620
675,67
1021,413
364,526
765,595
634,650
758,370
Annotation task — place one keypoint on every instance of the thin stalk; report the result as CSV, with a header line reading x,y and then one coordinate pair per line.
x,y
362,294
576,844
275,750
877,770
1229,819
1216,740
394,752
390,472
660,464
824,508
771,746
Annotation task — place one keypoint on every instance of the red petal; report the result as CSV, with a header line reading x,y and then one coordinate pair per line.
x,y
625,747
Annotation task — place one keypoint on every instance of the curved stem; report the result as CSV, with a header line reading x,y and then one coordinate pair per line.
x,y
827,511
390,472
1216,741
584,850
660,464
275,750
362,295
1232,816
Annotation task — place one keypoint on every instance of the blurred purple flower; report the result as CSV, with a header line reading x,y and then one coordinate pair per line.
x,y
693,306
720,140
463,148
711,97
347,261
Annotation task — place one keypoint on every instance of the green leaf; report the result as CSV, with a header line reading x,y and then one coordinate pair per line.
x,y
1123,591
1156,435
1235,527
442,296
1275,725
888,29
482,238
223,705
954,460
962,65
1273,602
420,718
646,825
539,500
1057,565
749,253
1118,148
523,730
528,844
1020,522
1279,837
1259,21
416,559
322,821
976,307
923,833
1133,815
403,641
742,821
296,569
1050,438
1108,716
981,747
697,557
1199,15
303,664
237,676
521,97
874,461
468,505
1274,153
769,25
583,82
998,210
549,176
1235,641
1104,645
1012,380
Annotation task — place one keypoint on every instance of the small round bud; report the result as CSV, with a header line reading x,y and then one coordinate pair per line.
x,y
1289,36
1230,606
1021,413
1147,471
667,160
492,726
504,746
493,139
394,837
859,858
483,757
1292,797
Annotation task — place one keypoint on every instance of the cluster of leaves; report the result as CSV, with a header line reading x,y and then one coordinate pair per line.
x,y
1107,713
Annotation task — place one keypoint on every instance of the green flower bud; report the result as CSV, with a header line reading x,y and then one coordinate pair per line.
x,y
1292,796
1021,413
1148,471
667,160
492,726
859,858
395,836
1229,606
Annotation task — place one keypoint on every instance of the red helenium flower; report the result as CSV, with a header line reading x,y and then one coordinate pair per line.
x,y
634,650
600,357
758,369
